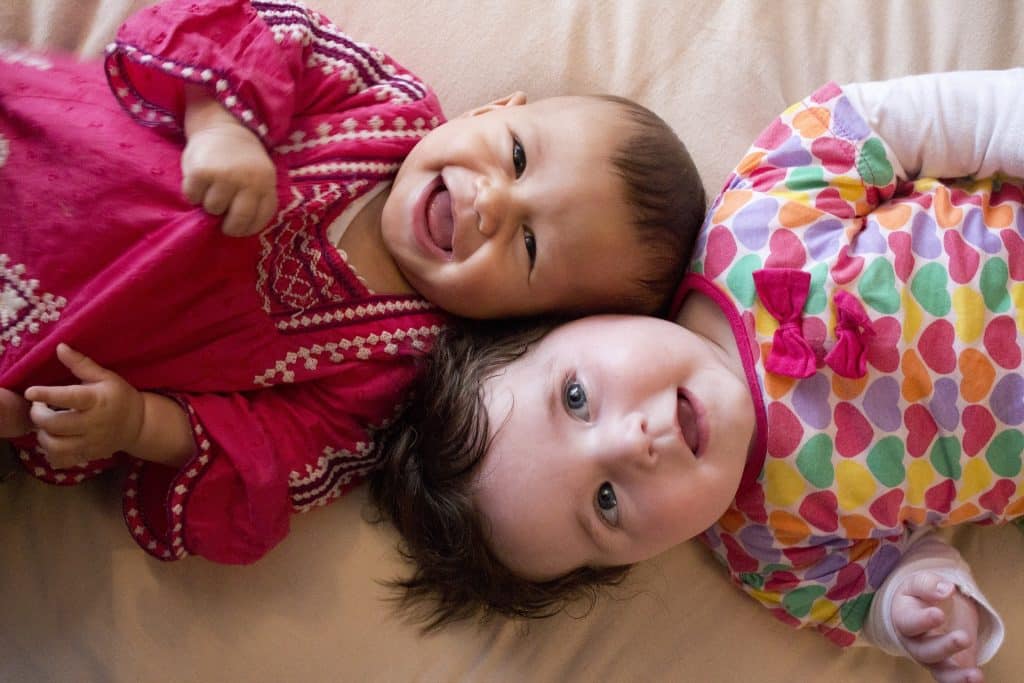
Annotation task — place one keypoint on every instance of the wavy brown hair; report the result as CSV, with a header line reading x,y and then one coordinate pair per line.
x,y
424,487
666,196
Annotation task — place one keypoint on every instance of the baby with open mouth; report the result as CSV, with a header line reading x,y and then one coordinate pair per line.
x,y
289,221
840,372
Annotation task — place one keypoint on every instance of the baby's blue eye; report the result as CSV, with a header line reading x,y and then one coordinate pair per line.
x,y
607,504
518,156
574,397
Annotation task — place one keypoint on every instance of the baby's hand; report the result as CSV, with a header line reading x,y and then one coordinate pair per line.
x,y
88,421
226,169
939,627
14,419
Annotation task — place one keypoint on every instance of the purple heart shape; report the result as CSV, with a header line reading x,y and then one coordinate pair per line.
x,y
869,240
810,400
924,237
943,404
977,233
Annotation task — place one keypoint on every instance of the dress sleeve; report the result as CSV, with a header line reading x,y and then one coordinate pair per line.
x,y
260,457
817,162
930,552
826,583
949,125
266,62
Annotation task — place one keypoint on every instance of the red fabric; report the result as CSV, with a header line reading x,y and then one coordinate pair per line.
x,y
848,357
282,357
783,292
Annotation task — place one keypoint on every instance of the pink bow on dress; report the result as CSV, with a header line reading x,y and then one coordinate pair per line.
x,y
847,358
783,292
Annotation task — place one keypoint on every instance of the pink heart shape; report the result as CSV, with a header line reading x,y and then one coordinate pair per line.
x,y
936,346
979,426
846,268
997,498
1014,253
921,429
849,583
886,508
882,349
739,560
785,250
940,497
853,431
963,258
901,244
721,250
822,510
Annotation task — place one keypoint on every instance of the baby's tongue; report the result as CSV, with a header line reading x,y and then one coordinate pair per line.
x,y
439,219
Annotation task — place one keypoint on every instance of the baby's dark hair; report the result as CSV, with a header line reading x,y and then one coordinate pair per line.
x,y
664,191
428,459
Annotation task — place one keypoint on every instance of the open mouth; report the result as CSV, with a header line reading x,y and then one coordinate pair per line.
x,y
438,215
688,422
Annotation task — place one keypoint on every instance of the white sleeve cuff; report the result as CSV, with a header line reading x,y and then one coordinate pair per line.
x,y
928,551
948,125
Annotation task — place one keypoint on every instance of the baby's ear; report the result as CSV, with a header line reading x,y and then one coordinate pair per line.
x,y
514,100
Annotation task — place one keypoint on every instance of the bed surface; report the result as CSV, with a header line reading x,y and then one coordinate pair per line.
x,y
80,602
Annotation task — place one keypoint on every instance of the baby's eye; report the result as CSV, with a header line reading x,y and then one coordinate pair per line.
x,y
518,156
531,245
607,504
574,397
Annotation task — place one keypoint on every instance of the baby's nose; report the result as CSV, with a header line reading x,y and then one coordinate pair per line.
x,y
630,443
491,205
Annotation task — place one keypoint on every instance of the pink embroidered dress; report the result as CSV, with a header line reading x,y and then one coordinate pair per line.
x,y
882,325
282,358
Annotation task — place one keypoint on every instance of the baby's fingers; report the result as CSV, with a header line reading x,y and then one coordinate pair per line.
x,y
62,451
936,649
947,673
71,397
57,422
915,618
243,218
195,185
218,197
928,587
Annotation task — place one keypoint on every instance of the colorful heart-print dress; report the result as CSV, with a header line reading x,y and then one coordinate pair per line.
x,y
884,319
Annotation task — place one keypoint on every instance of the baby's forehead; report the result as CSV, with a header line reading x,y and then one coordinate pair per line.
x,y
593,110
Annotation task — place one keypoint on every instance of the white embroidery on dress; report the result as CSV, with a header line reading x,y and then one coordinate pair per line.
x,y
5,150
359,347
340,167
334,469
335,52
22,309
289,266
329,135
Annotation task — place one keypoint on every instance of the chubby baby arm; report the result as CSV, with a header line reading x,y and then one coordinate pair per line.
x,y
931,610
103,415
225,168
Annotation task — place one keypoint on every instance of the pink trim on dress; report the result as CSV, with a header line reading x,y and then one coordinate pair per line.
x,y
697,282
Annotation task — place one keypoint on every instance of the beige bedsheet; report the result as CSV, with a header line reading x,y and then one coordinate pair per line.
x,y
79,602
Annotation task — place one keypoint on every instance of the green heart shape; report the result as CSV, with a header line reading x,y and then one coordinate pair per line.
x,y
930,289
741,279
877,287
